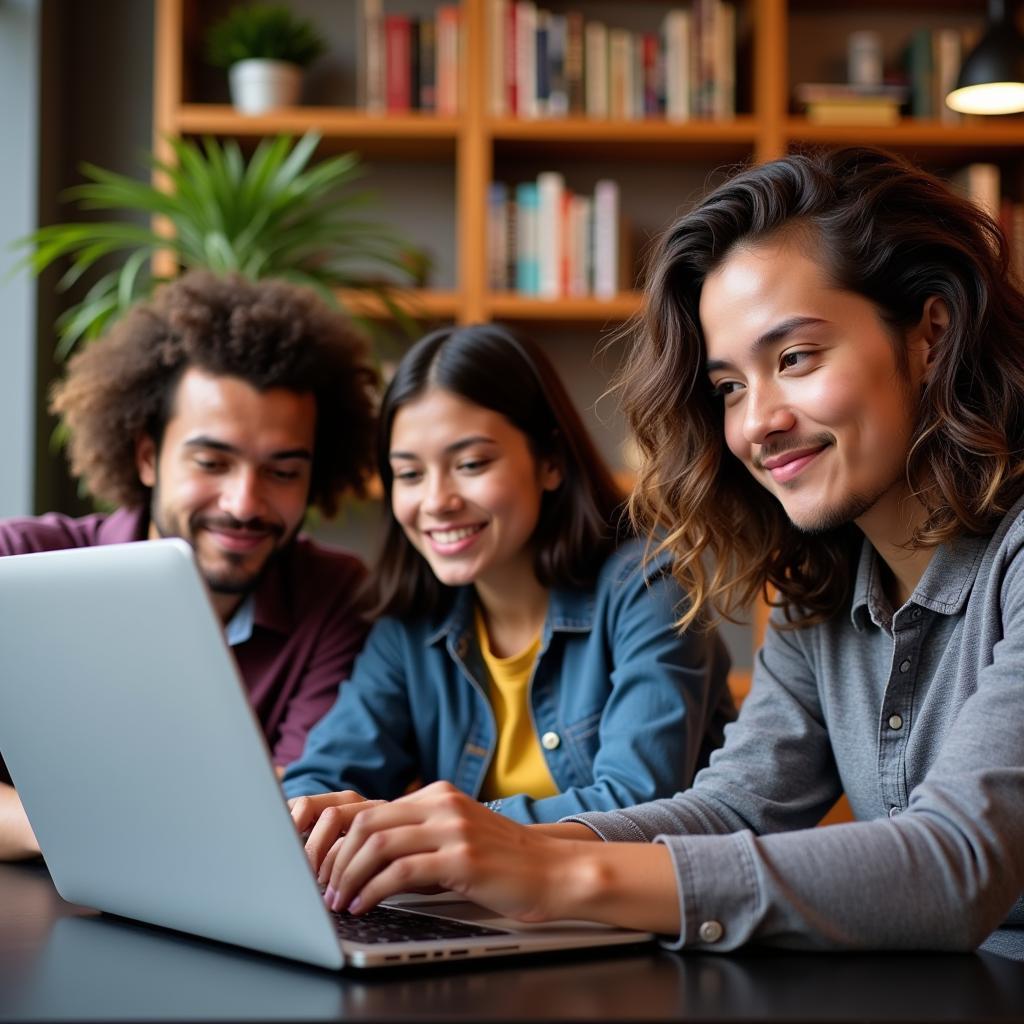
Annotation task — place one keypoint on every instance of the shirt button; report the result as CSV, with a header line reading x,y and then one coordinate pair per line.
x,y
550,741
893,811
905,665
710,931
916,613
895,722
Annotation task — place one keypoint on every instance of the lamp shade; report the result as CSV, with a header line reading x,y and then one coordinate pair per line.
x,y
991,78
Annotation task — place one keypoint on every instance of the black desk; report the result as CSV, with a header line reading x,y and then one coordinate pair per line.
x,y
59,962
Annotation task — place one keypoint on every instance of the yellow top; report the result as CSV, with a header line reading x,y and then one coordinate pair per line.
x,y
518,765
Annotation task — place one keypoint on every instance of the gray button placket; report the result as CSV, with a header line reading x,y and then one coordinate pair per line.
x,y
895,714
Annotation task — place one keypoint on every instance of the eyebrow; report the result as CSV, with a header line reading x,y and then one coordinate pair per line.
x,y
770,337
202,441
452,449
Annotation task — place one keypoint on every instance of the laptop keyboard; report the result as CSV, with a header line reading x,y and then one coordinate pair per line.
x,y
386,924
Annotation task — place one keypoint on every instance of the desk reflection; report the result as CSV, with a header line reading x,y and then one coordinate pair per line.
x,y
93,968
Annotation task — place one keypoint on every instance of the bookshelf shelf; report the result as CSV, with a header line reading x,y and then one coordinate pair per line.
x,y
511,306
624,140
424,304
932,139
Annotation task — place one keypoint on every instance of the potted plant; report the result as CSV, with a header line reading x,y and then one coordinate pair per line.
x,y
264,48
270,216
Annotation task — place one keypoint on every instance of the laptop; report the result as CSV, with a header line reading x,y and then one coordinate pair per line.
x,y
145,775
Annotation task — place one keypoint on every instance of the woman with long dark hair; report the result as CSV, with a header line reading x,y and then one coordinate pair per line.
x,y
522,651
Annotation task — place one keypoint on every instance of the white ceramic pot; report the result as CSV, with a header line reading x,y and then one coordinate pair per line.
x,y
261,85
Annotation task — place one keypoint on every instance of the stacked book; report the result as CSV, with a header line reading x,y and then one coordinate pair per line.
x,y
544,240
550,64
409,63
826,103
933,62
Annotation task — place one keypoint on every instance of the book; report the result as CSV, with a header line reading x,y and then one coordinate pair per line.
x,y
948,58
595,43
607,239
448,47
550,233
497,26
526,58
527,266
428,64
675,31
558,88
867,112
921,73
371,90
397,60
574,63
497,236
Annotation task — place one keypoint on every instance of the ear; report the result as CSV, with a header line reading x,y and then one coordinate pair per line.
x,y
924,339
145,460
550,474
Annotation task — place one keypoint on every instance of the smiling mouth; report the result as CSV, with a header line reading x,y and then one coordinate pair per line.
x,y
453,536
787,466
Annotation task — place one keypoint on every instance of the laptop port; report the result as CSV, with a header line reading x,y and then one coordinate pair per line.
x,y
416,956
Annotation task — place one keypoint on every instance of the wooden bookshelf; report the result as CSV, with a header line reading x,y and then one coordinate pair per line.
x,y
476,144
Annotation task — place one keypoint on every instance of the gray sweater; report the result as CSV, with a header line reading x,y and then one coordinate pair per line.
x,y
918,715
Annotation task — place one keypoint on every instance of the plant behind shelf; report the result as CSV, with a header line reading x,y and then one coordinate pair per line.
x,y
270,216
263,32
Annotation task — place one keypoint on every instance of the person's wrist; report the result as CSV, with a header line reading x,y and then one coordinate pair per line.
x,y
579,879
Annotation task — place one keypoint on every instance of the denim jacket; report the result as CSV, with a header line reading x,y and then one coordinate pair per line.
x,y
625,709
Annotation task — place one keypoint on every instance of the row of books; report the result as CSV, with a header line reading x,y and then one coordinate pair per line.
x,y
545,64
545,240
409,63
932,63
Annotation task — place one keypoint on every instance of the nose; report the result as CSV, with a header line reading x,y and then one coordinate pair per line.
x,y
765,412
241,495
441,496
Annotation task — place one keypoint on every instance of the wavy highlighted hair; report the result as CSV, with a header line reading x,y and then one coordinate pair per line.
x,y
885,230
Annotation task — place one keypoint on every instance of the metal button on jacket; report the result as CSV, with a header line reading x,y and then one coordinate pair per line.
x,y
895,722
550,740
710,931
905,665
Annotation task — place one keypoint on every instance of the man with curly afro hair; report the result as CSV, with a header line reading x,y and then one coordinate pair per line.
x,y
219,412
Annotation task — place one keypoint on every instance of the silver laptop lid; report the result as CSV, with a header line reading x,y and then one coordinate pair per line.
x,y
137,756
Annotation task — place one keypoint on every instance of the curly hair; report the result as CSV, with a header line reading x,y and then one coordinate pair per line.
x,y
271,334
888,231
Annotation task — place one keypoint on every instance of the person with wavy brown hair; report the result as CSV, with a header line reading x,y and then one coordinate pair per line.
x,y
219,412
827,389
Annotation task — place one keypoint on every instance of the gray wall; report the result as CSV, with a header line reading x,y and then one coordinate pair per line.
x,y
19,118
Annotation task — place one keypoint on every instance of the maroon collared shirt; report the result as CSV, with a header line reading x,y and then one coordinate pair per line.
x,y
306,630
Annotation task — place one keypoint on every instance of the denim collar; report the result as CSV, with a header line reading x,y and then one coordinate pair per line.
x,y
569,611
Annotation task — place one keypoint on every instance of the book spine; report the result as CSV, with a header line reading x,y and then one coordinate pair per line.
x,y
414,63
428,64
372,90
497,236
448,32
527,270
558,89
511,65
526,58
606,239
676,30
550,232
574,63
397,50
497,18
725,62
920,73
619,73
596,68
948,58
542,65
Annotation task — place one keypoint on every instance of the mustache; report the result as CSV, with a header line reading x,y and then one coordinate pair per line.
x,y
771,451
254,525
